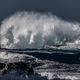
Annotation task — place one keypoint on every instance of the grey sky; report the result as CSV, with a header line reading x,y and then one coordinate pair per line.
x,y
66,9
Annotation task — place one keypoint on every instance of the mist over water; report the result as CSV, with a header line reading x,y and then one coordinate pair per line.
x,y
35,30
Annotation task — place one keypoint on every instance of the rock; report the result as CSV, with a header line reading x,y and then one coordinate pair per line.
x,y
19,66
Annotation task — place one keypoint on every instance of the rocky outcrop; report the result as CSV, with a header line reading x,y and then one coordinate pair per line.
x,y
20,66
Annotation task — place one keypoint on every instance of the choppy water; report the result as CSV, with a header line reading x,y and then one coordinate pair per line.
x,y
50,44
47,66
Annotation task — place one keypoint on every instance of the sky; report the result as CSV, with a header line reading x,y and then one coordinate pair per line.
x,y
65,9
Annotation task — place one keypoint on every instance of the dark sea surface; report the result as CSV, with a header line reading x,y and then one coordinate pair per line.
x,y
49,64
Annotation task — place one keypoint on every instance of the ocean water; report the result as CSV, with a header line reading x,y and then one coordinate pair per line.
x,y
51,67
49,44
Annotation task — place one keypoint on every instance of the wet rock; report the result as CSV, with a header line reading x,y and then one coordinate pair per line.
x,y
2,66
21,67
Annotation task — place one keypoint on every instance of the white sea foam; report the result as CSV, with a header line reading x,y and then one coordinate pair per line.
x,y
36,30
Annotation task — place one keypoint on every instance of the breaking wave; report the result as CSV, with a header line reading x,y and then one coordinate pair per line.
x,y
36,30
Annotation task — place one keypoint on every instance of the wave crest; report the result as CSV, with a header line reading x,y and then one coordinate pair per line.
x,y
35,30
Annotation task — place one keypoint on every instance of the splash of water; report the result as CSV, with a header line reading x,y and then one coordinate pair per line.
x,y
35,30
